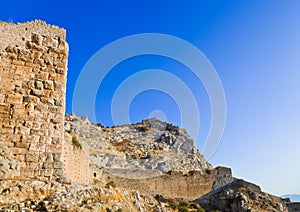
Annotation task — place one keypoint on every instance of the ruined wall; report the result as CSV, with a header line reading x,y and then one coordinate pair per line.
x,y
33,67
76,161
177,184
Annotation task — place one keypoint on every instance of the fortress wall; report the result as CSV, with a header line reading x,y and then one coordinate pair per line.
x,y
33,68
189,186
76,161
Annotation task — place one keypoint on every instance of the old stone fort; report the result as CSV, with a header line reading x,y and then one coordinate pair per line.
x,y
33,70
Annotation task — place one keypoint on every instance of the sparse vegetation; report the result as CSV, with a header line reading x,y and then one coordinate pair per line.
x,y
183,206
183,209
231,197
111,184
172,205
76,142
200,209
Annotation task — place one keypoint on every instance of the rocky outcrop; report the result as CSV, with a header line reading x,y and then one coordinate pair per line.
x,y
242,196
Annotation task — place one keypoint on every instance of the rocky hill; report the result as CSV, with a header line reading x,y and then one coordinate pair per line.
x,y
150,145
148,166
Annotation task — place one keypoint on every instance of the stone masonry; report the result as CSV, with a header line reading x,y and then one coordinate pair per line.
x,y
76,161
33,68
176,184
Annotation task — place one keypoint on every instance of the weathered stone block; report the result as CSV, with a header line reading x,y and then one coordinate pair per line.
x,y
32,165
4,108
42,75
57,157
37,92
6,130
15,99
36,39
22,130
5,61
22,145
32,100
48,84
31,157
48,165
27,173
32,65
19,151
2,98
20,158
46,172
58,172
50,42
39,85
18,62
58,165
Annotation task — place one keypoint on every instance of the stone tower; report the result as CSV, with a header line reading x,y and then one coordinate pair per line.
x,y
33,68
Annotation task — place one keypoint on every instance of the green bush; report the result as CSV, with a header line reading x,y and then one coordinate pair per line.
x,y
183,209
183,204
76,142
200,209
231,197
172,205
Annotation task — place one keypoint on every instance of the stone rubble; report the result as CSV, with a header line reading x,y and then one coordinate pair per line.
x,y
41,196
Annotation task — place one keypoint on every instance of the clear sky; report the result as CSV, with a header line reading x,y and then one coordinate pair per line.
x,y
254,47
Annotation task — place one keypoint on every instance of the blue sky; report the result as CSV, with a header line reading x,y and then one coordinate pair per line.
x,y
254,47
